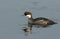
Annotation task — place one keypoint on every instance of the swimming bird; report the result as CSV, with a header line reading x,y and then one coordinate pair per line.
x,y
43,22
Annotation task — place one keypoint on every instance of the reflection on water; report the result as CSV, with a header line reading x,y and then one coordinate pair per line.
x,y
27,30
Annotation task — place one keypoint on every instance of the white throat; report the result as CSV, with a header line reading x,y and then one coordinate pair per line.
x,y
29,16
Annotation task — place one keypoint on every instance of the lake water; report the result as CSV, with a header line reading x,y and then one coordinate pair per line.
x,y
12,23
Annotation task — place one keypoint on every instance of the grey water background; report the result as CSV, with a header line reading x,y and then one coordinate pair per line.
x,y
12,23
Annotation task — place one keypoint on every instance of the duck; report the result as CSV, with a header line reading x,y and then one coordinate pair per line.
x,y
42,21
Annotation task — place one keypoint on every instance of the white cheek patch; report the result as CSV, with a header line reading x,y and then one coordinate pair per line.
x,y
29,16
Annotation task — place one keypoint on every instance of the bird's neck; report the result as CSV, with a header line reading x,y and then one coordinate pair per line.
x,y
30,20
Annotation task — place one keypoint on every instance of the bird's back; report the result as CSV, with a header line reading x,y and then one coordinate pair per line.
x,y
43,21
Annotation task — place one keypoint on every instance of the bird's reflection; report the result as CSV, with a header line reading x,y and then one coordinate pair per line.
x,y
28,30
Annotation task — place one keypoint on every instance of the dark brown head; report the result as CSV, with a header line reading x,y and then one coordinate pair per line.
x,y
28,14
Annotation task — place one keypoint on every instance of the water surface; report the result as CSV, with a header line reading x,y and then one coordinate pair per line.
x,y
12,23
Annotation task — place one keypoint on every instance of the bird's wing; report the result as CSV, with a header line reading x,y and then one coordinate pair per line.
x,y
41,18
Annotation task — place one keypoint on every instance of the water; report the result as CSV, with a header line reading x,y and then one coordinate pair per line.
x,y
12,23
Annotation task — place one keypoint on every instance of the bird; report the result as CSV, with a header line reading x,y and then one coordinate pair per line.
x,y
42,21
